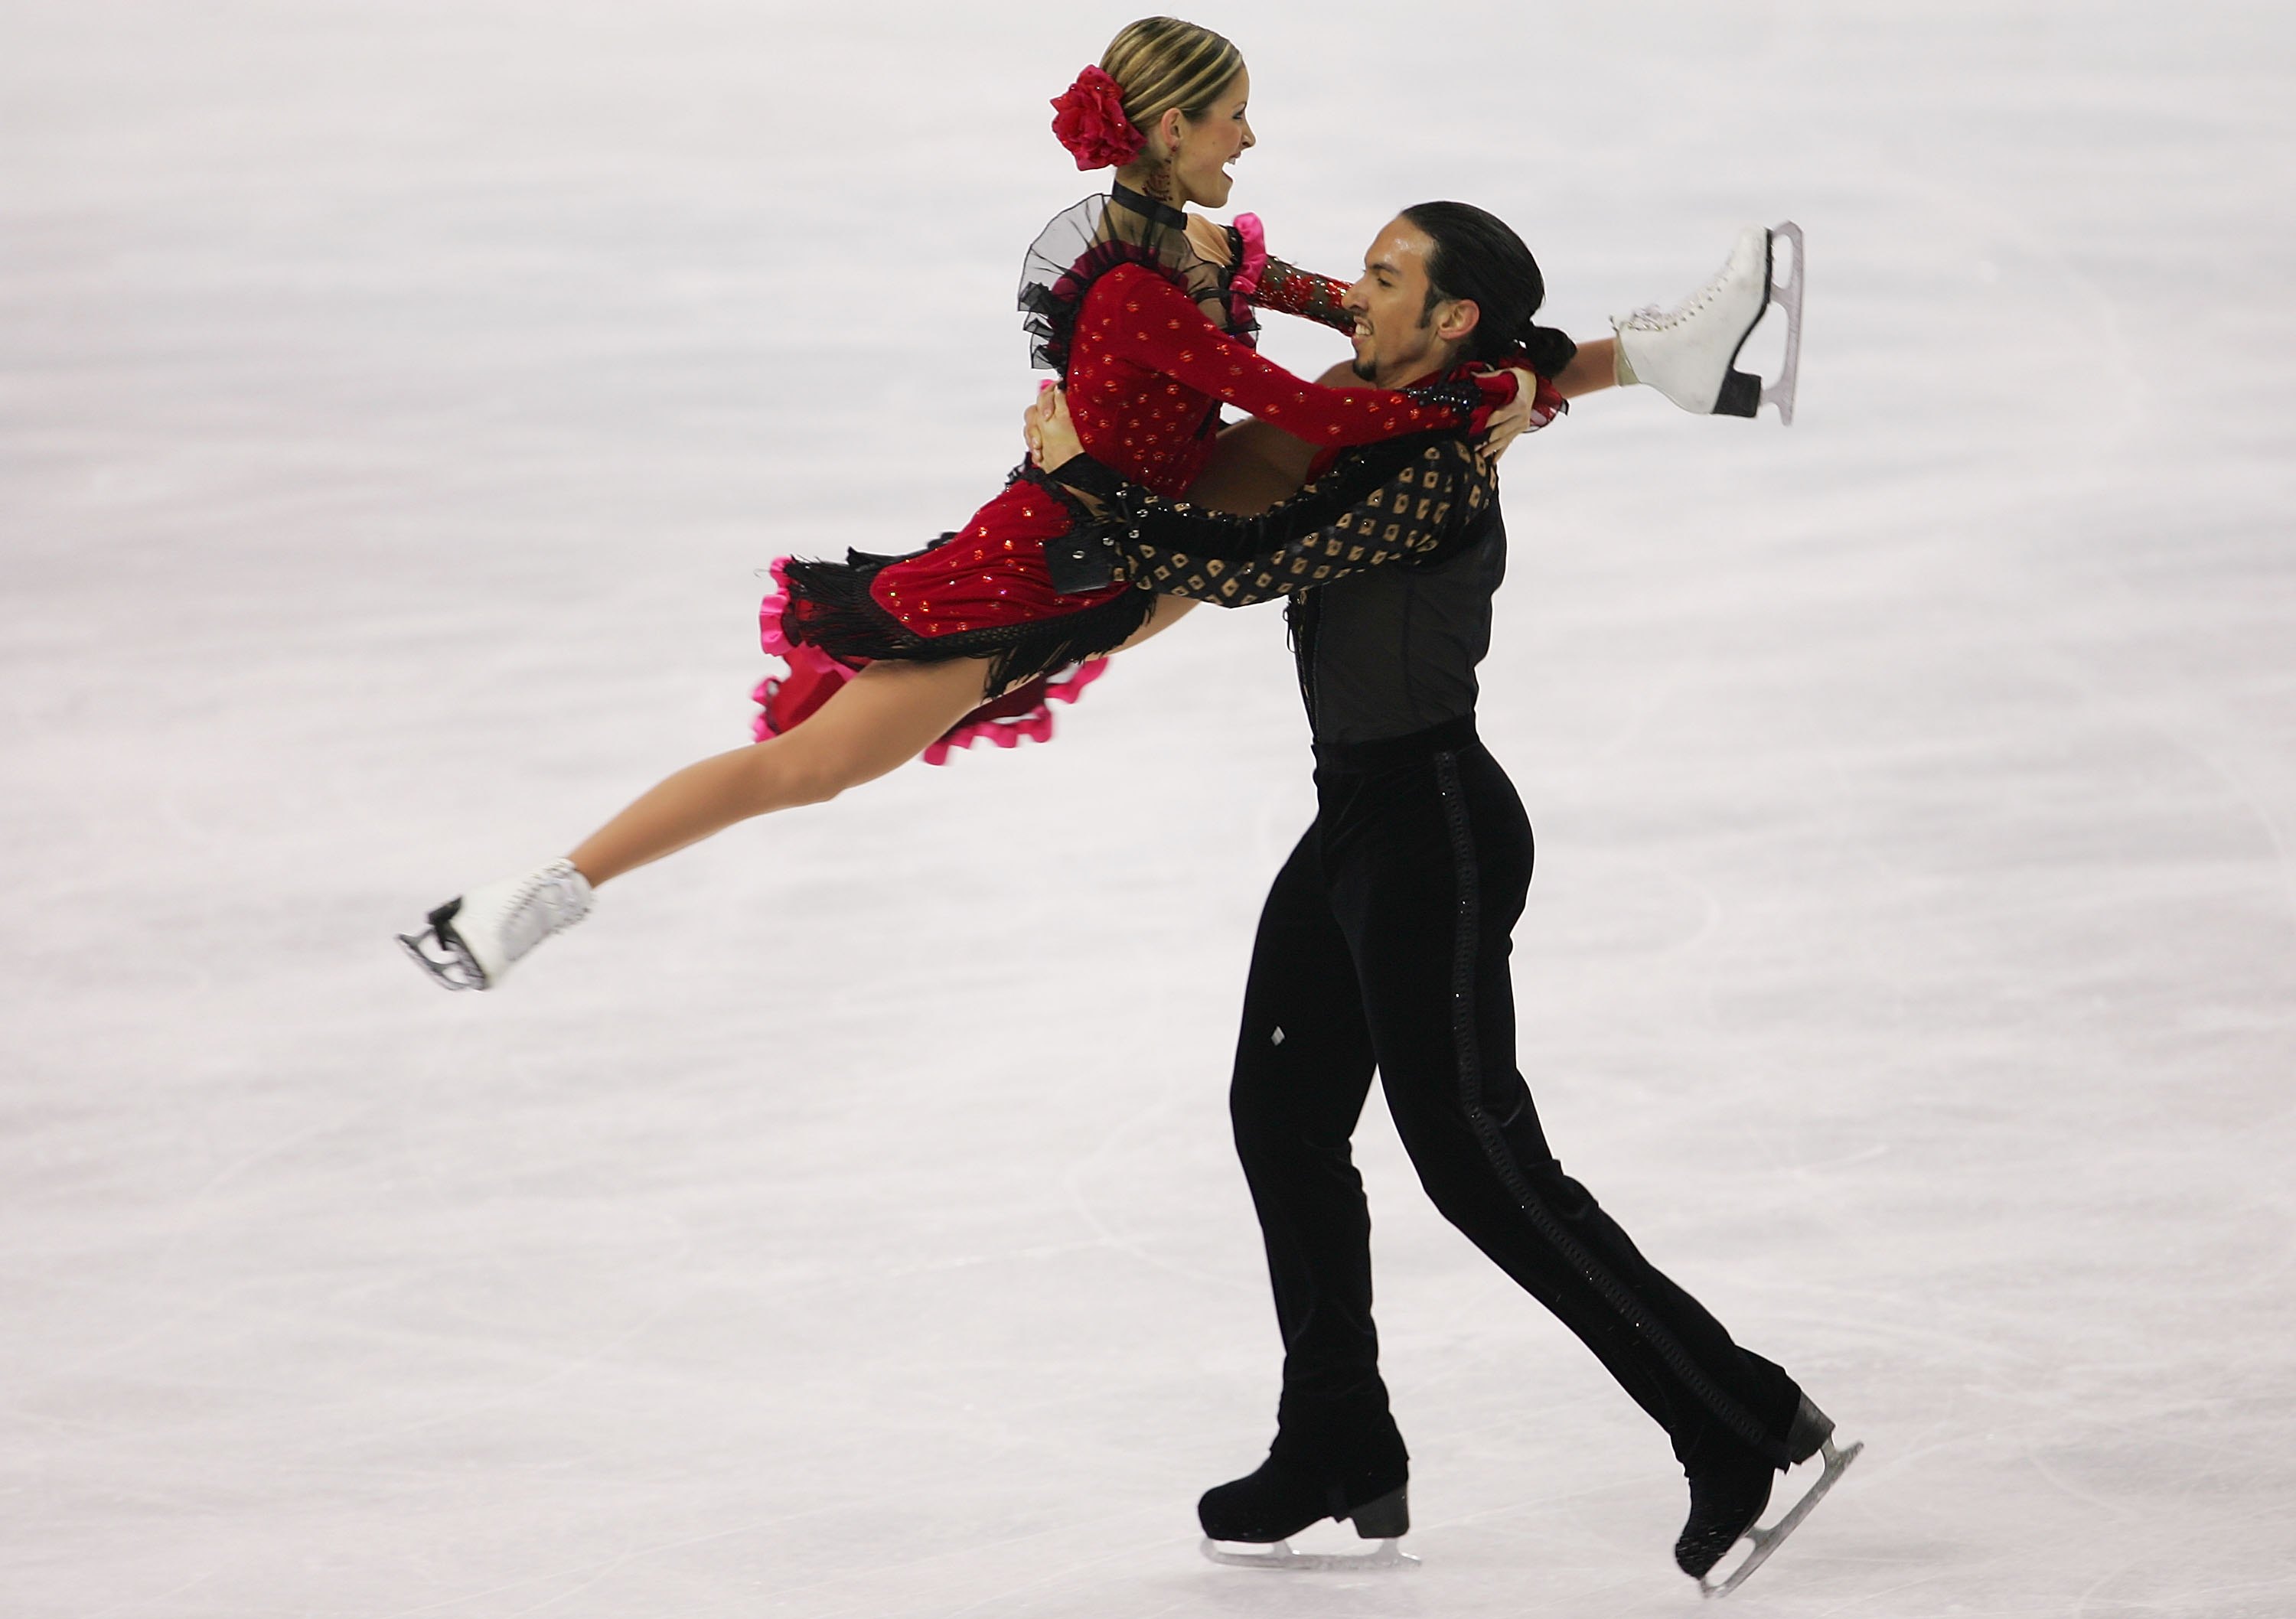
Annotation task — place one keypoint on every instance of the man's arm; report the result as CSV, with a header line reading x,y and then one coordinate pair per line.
x,y
1419,507
1254,465
1387,504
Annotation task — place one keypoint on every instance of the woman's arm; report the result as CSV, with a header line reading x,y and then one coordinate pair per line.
x,y
1139,316
1289,290
1270,283
1255,465
1292,290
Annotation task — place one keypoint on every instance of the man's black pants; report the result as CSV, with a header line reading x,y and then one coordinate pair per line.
x,y
1384,944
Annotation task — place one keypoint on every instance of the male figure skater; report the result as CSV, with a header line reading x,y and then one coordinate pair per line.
x,y
1384,941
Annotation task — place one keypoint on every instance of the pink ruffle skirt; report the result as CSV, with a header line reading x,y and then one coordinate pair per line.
x,y
814,677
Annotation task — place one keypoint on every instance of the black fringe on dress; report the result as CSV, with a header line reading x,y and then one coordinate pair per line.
x,y
830,606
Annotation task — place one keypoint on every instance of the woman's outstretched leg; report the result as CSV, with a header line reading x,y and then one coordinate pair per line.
x,y
880,719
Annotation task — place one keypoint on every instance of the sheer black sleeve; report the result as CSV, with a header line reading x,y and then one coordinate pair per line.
x,y
1401,503
1289,290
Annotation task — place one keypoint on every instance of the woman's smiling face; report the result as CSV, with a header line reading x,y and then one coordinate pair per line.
x,y
1207,146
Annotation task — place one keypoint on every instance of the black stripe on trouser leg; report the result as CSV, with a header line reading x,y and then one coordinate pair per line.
x,y
1466,944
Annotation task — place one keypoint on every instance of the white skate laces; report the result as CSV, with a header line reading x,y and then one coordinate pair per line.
x,y
1690,353
472,942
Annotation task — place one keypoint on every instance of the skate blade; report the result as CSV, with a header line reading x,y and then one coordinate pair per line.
x,y
1781,392
1387,1554
1765,1540
451,969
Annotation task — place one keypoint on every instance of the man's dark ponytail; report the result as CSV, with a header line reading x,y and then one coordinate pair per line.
x,y
1477,256
1550,348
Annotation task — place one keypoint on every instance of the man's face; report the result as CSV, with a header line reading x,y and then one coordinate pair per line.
x,y
1398,338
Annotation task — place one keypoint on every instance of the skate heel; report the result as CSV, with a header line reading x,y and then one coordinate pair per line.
x,y
1811,1428
1743,394
1689,354
1248,1522
439,951
1811,1433
1386,1518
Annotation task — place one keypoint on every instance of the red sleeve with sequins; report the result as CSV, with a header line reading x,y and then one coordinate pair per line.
x,y
1289,290
1139,316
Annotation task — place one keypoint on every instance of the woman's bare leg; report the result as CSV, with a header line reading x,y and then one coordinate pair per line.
x,y
1593,367
880,719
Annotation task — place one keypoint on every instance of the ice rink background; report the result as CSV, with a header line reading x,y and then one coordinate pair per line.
x,y
396,402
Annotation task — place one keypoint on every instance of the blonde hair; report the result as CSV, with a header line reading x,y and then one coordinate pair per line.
x,y
1162,62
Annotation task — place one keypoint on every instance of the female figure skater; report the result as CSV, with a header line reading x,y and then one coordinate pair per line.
x,y
894,656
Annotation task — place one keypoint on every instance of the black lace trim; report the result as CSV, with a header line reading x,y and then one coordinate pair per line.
x,y
831,607
1083,243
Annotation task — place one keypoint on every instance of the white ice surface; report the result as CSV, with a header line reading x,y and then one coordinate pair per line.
x,y
396,401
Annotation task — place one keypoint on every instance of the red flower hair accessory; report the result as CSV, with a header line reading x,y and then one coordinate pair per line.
x,y
1088,119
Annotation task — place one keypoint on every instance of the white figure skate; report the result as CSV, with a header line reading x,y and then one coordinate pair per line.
x,y
1690,353
473,940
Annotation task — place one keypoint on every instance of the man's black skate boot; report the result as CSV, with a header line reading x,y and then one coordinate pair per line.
x,y
1727,1496
1301,1484
1726,1501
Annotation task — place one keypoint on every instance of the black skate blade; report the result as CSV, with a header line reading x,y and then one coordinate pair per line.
x,y
1237,1554
1767,1541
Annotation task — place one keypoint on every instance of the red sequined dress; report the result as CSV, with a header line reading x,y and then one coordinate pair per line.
x,y
1151,339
